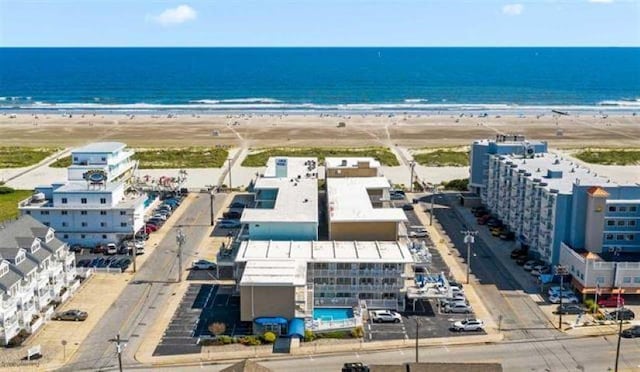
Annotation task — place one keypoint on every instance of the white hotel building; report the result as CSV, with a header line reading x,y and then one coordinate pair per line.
x,y
35,269
94,206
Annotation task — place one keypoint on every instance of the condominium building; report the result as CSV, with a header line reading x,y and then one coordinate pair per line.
x,y
95,205
567,214
356,209
35,269
351,167
289,279
502,145
285,201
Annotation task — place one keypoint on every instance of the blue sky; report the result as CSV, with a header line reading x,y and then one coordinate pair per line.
x,y
319,23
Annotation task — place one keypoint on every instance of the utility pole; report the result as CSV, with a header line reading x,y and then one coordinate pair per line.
x,y
562,271
229,171
434,191
412,165
181,238
417,338
469,239
619,339
120,344
212,198
135,249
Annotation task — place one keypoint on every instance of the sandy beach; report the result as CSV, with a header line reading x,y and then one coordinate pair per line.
x,y
264,130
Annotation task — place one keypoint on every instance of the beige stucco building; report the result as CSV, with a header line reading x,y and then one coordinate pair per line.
x,y
351,167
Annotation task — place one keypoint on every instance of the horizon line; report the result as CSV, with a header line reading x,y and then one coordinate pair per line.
x,y
310,47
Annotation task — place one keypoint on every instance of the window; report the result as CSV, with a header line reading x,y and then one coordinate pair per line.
x,y
103,213
321,266
621,223
630,237
82,236
65,236
28,212
600,280
611,223
46,224
64,213
123,213
64,224
83,200
343,281
343,266
103,200
64,200
609,237
75,158
44,212
622,209
84,224
612,208
4,270
84,213
620,237
103,224
626,280
123,224
632,222
104,236
103,158
633,208
636,279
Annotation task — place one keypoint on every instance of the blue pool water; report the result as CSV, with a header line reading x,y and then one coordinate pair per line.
x,y
332,313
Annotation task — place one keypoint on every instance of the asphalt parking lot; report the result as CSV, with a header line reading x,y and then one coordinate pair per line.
x,y
201,305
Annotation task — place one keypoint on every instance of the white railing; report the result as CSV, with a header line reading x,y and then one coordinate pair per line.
x,y
323,325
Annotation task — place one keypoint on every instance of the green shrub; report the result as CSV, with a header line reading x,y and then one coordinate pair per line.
x,y
225,340
17,157
333,334
442,158
308,335
250,340
461,184
6,190
357,332
591,305
269,337
610,157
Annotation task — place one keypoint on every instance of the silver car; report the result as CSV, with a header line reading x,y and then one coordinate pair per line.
x,y
458,308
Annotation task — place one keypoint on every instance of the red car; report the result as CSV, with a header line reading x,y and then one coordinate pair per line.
x,y
151,227
611,301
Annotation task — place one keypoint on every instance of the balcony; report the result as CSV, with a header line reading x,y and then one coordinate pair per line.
x,y
55,269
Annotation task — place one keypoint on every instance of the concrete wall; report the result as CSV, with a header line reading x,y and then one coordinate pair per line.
x,y
266,301
594,225
365,231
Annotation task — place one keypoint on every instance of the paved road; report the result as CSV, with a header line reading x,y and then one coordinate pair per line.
x,y
141,301
584,354
502,293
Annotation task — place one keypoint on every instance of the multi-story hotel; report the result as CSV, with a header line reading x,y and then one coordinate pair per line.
x,y
35,269
567,214
95,205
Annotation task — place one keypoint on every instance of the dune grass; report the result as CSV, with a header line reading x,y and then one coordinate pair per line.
x,y
442,158
154,158
9,199
382,154
19,156
609,157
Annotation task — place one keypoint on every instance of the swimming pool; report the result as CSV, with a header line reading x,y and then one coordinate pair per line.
x,y
332,313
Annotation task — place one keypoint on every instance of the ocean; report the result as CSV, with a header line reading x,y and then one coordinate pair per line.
x,y
318,79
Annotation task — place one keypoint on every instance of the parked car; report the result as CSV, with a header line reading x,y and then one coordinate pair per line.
x,y
407,207
570,309
228,224
623,313
468,325
509,235
555,290
385,316
611,301
111,249
419,233
156,221
540,270
529,265
83,263
395,196
444,302
567,298
203,265
458,307
150,227
238,205
521,260
494,223
483,220
232,215
160,216
76,248
76,315
99,249
632,332
165,207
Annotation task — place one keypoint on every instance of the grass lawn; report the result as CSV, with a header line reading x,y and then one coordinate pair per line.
x,y
382,154
191,157
18,157
609,157
442,158
9,203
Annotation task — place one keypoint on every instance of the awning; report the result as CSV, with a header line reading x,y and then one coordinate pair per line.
x,y
296,328
270,320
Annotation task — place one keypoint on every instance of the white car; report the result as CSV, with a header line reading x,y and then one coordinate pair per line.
x,y
468,325
160,216
385,316
528,266
203,265
567,298
456,290
419,233
458,307
555,290
111,248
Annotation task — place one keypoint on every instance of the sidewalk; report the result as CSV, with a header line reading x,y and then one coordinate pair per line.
x,y
457,269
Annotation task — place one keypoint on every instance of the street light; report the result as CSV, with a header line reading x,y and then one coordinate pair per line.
x,y
434,192
181,238
469,239
412,165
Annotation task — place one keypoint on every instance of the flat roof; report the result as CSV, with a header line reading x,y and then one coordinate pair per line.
x,y
349,201
274,273
296,199
572,172
100,147
350,162
325,251
81,186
